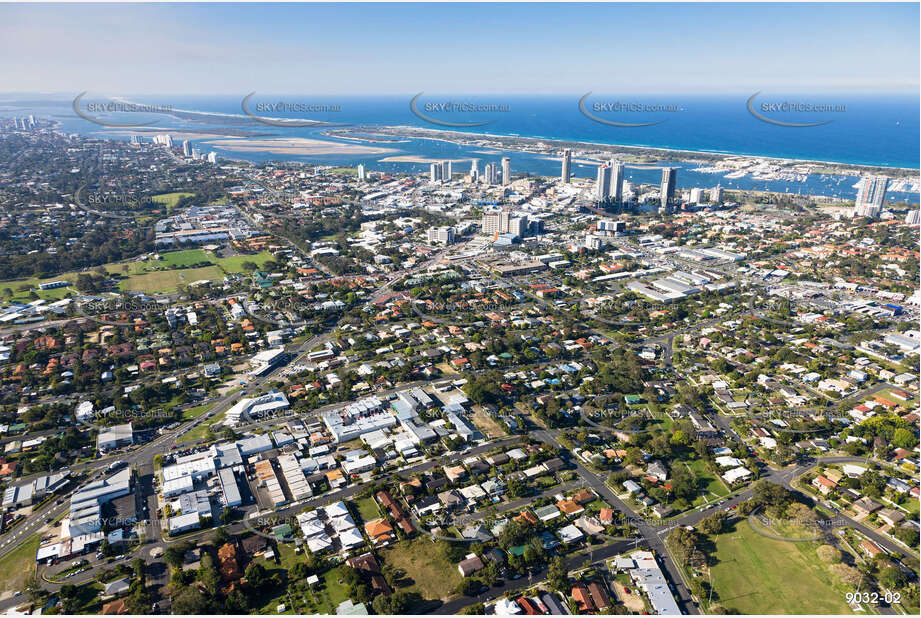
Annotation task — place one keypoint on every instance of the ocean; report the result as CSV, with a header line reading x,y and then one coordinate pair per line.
x,y
860,130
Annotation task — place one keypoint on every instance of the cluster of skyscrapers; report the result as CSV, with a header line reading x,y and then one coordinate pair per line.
x,y
442,172
503,221
24,124
609,185
188,151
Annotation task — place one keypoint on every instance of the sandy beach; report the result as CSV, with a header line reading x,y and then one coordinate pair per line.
x,y
149,132
298,146
418,159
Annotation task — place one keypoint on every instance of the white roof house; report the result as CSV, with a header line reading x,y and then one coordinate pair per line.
x,y
728,462
736,474
570,534
351,539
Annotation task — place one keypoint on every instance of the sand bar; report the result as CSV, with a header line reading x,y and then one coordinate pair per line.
x,y
298,146
418,159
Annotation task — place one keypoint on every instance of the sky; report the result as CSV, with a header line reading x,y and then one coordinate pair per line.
x,y
513,48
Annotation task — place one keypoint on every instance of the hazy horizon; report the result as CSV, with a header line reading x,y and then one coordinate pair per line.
x,y
478,48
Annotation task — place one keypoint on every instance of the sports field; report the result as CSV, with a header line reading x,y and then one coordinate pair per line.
x,y
755,574
169,280
170,199
152,276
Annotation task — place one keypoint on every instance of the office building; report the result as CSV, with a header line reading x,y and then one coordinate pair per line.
x,y
491,224
115,437
594,242
566,173
501,222
36,490
358,418
611,226
86,503
440,235
518,226
249,408
505,218
870,196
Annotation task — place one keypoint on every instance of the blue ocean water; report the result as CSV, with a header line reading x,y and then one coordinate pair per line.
x,y
861,130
